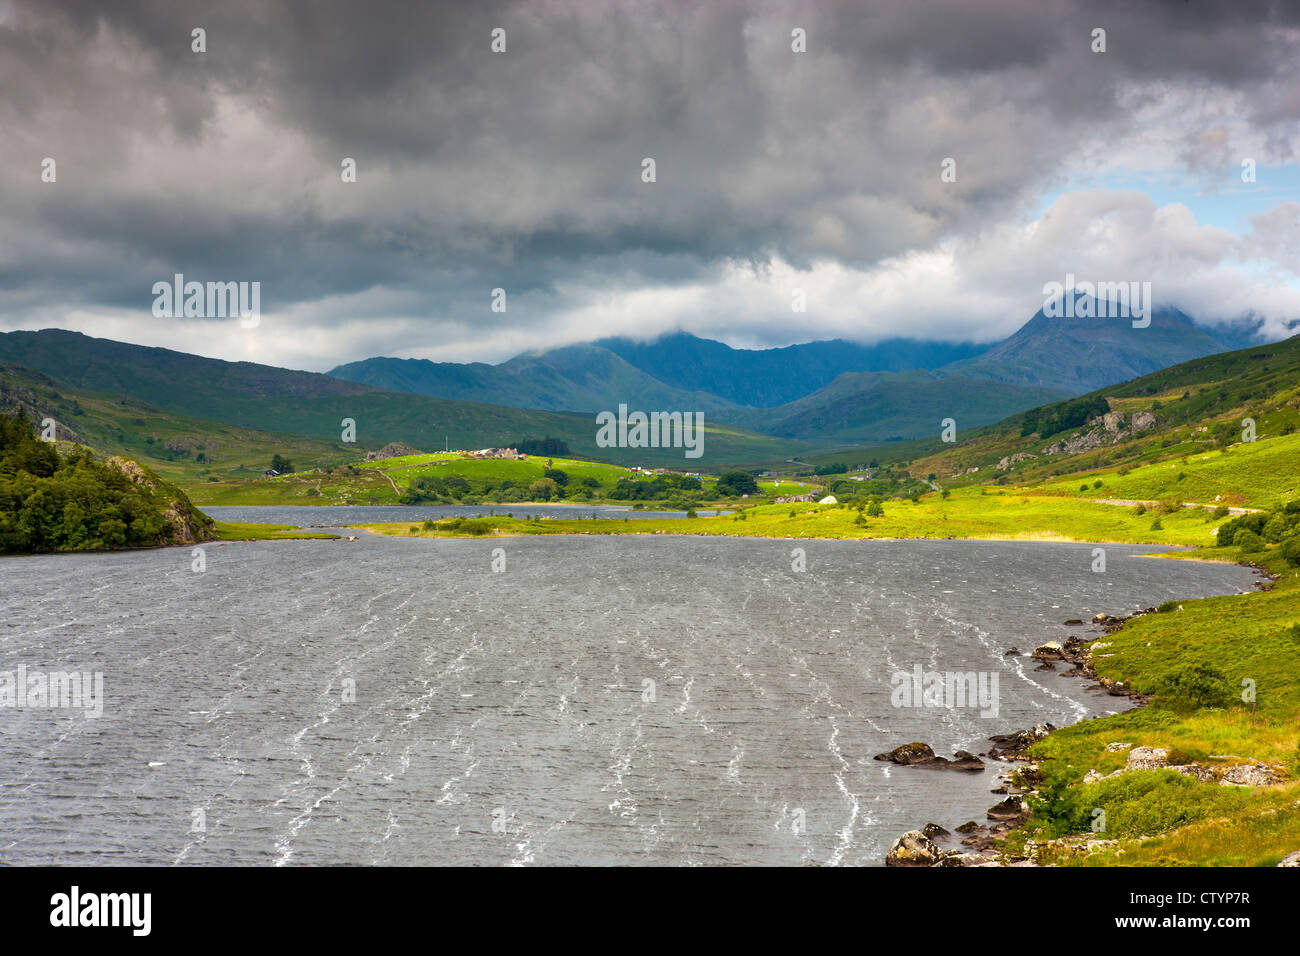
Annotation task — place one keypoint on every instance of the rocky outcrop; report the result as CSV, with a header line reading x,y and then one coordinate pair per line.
x,y
394,449
1012,809
920,755
1249,775
1010,461
913,848
908,754
793,499
1104,430
1252,774
1291,859
183,523
1147,758
1013,746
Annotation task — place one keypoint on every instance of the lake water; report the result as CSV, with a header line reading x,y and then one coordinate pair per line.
x,y
333,516
602,700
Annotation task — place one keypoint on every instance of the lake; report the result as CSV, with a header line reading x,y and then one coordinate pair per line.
x,y
602,700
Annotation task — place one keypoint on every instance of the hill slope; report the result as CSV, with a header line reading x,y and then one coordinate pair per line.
x,y
1189,409
890,406
266,398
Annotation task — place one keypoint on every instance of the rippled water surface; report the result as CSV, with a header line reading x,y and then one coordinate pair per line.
x,y
621,700
330,516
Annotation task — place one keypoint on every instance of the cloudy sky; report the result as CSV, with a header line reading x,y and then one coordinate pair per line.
x,y
775,170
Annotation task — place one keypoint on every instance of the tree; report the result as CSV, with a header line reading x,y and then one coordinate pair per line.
x,y
736,483
543,489
281,464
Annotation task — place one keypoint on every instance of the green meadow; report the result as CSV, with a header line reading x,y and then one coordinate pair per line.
x,y
999,514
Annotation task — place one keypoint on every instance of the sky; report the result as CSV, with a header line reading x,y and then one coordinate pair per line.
x,y
775,169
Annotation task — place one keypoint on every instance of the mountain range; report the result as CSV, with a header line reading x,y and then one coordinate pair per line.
x,y
267,399
192,401
822,391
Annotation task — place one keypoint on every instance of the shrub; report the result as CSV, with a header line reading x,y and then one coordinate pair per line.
x,y
1196,686
1290,550
736,483
1140,509
1220,512
1140,802
1248,541
1276,528
1167,606
544,489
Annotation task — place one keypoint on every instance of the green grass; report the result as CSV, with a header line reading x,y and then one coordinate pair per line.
x,y
169,443
966,514
245,531
1252,474
1244,637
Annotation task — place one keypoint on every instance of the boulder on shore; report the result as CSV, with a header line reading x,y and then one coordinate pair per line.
x,y
916,752
920,755
913,848
1012,808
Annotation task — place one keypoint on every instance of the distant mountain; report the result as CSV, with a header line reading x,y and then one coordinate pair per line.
x,y
311,404
1078,355
575,378
766,377
822,391
891,406
1048,359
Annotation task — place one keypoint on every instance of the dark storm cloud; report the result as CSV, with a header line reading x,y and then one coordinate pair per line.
x,y
521,170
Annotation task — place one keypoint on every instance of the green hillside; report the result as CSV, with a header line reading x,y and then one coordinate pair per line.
x,y
1198,408
264,398
179,447
886,406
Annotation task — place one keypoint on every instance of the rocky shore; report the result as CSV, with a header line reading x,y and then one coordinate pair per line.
x,y
984,842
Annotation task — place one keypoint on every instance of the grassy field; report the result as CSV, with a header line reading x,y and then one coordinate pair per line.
x,y
1159,817
1251,474
966,514
383,482
244,531
342,487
